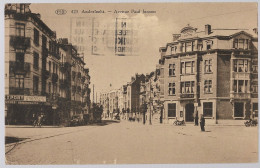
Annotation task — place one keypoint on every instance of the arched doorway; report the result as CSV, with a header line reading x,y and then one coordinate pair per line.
x,y
189,108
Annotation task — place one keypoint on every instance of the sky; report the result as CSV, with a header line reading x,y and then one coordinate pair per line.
x,y
154,30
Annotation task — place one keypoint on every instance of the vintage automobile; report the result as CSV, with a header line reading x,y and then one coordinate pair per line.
x,y
76,120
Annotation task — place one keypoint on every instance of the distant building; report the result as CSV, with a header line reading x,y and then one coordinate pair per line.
x,y
213,72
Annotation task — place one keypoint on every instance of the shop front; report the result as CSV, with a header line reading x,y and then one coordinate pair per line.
x,y
21,109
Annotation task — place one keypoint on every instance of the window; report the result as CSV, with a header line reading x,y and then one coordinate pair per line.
x,y
20,8
208,109
172,110
171,69
44,41
208,86
19,81
255,109
187,67
236,43
209,44
200,45
240,86
187,87
183,47
36,37
49,87
50,66
189,46
171,88
208,66
240,65
254,88
54,67
35,60
35,84
20,29
241,44
255,68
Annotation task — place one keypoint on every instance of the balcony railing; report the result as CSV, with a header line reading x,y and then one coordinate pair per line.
x,y
19,91
19,67
19,42
240,95
187,95
56,55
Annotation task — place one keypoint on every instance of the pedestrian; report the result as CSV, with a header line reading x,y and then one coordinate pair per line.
x,y
202,123
196,119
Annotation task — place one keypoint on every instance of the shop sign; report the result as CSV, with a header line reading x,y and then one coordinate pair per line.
x,y
26,98
21,99
35,98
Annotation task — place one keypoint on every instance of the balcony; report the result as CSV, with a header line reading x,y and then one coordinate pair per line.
x,y
56,55
46,74
54,78
187,95
240,95
63,83
19,67
19,42
19,91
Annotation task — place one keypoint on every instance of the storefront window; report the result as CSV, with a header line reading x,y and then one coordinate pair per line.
x,y
208,109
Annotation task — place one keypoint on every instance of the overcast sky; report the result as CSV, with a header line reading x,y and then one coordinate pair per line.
x,y
155,31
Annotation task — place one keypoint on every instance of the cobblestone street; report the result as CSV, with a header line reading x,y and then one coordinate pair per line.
x,y
132,143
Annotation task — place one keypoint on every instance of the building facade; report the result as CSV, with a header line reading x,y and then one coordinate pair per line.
x,y
38,70
211,72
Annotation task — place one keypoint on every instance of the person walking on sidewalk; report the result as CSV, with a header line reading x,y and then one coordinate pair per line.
x,y
202,123
196,118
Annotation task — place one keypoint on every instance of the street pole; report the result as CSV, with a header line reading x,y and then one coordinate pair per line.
x,y
150,117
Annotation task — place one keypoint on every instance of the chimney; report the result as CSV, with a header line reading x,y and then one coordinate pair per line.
x,y
175,37
255,30
207,29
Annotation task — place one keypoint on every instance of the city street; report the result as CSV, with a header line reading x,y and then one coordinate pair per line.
x,y
113,142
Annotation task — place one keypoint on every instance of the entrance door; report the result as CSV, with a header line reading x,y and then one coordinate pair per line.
x,y
189,112
239,110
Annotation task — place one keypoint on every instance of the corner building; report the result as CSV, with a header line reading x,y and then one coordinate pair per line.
x,y
38,70
212,72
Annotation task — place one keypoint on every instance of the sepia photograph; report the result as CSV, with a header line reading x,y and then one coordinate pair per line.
x,y
130,83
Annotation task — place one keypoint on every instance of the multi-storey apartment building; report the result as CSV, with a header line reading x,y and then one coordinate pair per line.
x,y
212,72
133,94
37,78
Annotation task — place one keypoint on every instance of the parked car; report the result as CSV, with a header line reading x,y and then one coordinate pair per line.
x,y
117,117
76,121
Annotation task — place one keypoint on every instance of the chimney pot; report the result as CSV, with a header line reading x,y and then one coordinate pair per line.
x,y
207,29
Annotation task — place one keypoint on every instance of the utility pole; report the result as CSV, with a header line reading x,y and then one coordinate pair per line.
x,y
93,93
96,97
150,103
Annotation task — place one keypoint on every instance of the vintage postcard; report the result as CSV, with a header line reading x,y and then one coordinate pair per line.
x,y
130,83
